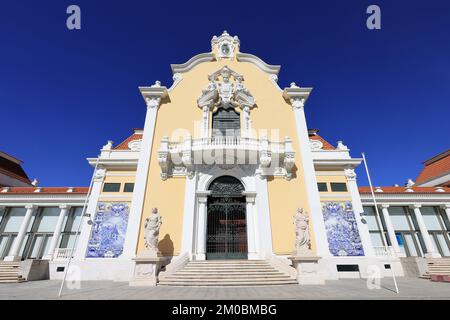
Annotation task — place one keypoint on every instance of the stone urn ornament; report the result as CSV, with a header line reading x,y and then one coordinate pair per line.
x,y
302,239
151,234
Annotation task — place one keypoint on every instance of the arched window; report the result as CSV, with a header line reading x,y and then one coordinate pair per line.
x,y
226,122
226,186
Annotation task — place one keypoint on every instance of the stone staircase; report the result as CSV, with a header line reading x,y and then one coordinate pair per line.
x,y
438,270
226,273
9,272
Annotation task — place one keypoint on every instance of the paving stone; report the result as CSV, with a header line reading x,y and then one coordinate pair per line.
x,y
410,288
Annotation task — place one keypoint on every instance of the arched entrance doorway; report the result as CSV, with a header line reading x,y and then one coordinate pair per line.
x,y
226,235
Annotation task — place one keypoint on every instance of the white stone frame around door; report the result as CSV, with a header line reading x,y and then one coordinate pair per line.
x,y
257,213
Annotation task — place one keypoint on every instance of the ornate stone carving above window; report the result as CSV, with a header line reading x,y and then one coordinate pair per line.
x,y
226,90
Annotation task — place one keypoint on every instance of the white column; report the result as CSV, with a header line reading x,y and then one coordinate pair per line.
x,y
446,207
263,225
187,244
201,228
85,232
57,232
2,211
431,250
363,229
251,228
153,96
309,173
14,252
390,230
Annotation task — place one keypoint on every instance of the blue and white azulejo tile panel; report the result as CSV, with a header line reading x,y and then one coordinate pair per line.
x,y
342,230
109,230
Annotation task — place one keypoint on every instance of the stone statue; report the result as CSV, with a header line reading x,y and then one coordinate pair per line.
x,y
302,240
152,226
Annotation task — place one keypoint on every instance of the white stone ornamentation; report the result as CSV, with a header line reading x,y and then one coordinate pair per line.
x,y
297,102
226,45
221,91
135,145
153,102
100,173
350,174
315,144
341,146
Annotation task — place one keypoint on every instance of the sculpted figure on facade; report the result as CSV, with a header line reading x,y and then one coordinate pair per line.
x,y
302,239
224,92
151,234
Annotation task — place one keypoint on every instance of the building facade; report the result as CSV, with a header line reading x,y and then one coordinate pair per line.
x,y
227,158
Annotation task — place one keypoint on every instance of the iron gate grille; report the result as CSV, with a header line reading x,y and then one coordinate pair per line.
x,y
226,228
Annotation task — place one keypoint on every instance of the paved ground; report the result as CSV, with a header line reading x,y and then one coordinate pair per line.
x,y
341,289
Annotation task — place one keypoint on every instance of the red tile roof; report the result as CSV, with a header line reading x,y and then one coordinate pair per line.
x,y
398,190
44,190
124,144
435,167
11,167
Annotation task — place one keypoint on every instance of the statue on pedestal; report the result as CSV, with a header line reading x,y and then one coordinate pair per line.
x,y
151,234
302,239
148,263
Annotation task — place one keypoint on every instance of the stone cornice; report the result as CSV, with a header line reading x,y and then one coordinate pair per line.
x,y
296,96
267,68
336,164
192,62
208,57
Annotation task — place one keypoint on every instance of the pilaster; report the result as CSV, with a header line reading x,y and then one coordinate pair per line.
x,y
153,97
357,210
297,97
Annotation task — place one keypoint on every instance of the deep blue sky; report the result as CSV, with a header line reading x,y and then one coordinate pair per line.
x,y
64,93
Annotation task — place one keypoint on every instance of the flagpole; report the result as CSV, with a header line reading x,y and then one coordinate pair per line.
x,y
83,214
378,218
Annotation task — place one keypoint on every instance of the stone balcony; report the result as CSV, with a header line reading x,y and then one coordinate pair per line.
x,y
269,158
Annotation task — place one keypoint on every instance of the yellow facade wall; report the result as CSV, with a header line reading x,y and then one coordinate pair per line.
x,y
179,117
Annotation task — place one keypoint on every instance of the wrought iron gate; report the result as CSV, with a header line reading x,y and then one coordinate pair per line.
x,y
226,228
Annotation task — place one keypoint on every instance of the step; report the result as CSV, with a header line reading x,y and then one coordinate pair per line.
x,y
216,284
228,262
3,274
227,267
268,276
231,272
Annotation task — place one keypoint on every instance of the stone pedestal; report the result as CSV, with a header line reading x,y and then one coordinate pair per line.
x,y
307,270
146,270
